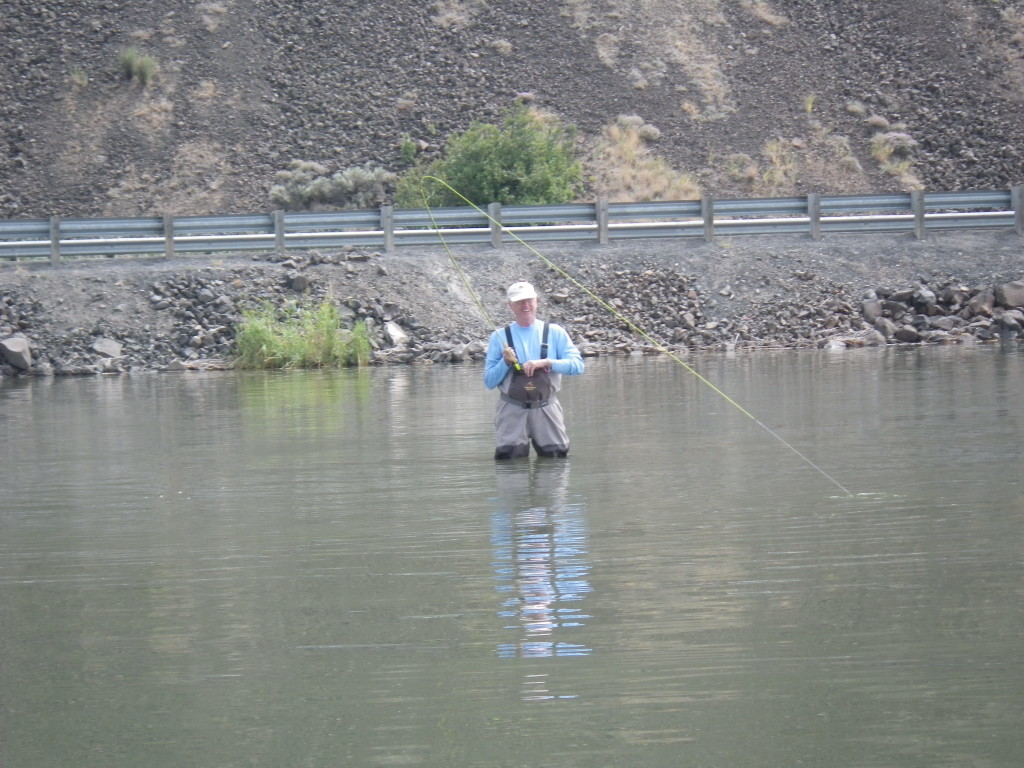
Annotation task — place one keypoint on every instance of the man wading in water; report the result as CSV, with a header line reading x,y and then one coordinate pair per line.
x,y
528,408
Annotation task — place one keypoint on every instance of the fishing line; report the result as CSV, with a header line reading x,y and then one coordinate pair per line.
x,y
618,315
462,275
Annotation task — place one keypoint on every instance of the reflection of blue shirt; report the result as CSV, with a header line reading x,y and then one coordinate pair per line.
x,y
566,359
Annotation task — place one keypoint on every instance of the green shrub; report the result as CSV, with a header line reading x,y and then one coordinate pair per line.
x,y
529,160
407,149
136,66
308,185
297,336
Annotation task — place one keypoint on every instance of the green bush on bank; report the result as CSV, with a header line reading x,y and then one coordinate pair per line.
x,y
299,336
529,160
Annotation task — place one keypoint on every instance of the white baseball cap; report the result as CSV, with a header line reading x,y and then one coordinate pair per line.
x,y
520,291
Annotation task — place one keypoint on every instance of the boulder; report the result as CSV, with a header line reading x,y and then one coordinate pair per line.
x,y
871,310
944,322
298,282
982,303
1009,324
886,327
105,347
17,352
1010,294
394,334
908,334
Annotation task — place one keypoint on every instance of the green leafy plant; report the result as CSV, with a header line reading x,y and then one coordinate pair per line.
x,y
299,336
528,160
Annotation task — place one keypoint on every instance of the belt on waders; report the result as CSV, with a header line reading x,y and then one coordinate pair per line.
x,y
522,404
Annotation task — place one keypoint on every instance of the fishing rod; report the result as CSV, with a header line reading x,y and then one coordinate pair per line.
x,y
462,275
618,315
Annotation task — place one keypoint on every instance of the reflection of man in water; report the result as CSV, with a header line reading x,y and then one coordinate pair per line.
x,y
540,559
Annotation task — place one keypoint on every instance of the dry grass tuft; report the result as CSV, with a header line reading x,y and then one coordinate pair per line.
x,y
623,168
455,13
760,10
780,173
211,15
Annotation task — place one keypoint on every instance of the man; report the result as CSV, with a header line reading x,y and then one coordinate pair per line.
x,y
526,361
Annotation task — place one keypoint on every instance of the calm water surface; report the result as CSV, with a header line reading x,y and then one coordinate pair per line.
x,y
328,569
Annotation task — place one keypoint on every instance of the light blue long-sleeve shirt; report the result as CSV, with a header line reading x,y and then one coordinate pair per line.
x,y
565,357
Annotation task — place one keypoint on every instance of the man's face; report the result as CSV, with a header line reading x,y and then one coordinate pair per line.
x,y
525,311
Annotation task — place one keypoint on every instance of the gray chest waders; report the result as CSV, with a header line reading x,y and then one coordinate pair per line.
x,y
529,391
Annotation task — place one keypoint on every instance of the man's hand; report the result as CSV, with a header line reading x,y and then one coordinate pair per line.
x,y
509,356
532,366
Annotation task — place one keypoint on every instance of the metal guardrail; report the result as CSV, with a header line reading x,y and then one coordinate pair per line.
x,y
602,222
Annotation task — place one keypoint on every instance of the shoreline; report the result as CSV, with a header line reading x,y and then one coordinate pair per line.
x,y
133,315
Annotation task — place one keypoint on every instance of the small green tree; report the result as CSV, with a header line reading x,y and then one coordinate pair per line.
x,y
529,160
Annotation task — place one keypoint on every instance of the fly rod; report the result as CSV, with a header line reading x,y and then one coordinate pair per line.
x,y
462,276
619,316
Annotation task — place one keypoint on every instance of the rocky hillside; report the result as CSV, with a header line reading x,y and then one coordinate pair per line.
x,y
750,97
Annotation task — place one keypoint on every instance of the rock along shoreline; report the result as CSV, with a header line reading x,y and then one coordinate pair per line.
x,y
138,315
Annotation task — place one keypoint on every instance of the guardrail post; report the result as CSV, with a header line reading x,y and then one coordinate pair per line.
x,y
494,217
168,236
1017,203
814,213
707,212
278,218
917,207
601,216
55,239
387,224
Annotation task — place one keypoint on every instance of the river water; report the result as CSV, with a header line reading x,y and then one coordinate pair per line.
x,y
328,569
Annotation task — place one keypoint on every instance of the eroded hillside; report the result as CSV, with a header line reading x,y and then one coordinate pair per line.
x,y
748,97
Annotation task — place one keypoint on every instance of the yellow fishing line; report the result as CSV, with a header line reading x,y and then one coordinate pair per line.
x,y
462,275
618,315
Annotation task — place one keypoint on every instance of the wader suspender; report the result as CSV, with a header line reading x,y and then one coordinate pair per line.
x,y
543,339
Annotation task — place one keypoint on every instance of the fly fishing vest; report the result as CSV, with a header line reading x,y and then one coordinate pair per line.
x,y
529,391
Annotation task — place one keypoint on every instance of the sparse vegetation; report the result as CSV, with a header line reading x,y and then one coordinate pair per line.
x,y
892,145
407,149
742,167
299,336
761,11
894,151
307,185
781,165
722,78
528,160
137,66
455,13
623,168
